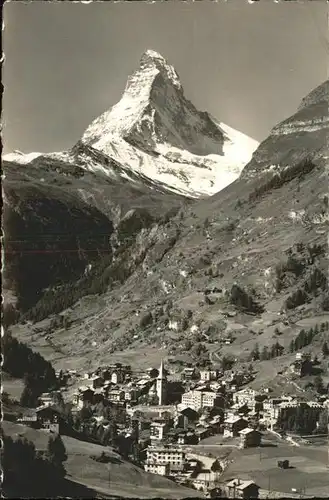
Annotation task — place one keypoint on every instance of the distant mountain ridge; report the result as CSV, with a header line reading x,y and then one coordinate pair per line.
x,y
293,139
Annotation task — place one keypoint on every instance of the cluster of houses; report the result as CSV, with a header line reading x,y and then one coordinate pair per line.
x,y
210,403
112,383
176,463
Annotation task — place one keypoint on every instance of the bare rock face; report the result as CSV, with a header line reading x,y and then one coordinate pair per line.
x,y
155,131
293,139
154,113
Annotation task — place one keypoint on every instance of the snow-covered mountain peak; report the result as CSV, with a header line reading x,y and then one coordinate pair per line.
x,y
154,133
151,59
135,113
155,130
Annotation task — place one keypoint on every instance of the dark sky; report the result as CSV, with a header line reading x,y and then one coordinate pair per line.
x,y
249,65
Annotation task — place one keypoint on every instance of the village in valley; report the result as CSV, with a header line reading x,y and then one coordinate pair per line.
x,y
204,429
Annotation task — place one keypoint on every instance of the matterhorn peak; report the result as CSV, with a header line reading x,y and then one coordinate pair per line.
x,y
153,112
151,59
157,132
155,136
128,112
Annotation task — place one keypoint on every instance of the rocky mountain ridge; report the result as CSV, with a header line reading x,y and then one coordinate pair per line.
x,y
156,135
295,137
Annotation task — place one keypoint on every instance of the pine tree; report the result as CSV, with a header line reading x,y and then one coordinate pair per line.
x,y
273,352
302,338
292,347
309,337
299,420
298,341
278,349
100,433
77,422
56,453
291,423
28,397
59,448
110,435
325,349
323,422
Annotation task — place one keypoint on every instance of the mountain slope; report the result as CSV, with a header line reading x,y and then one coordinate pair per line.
x,y
265,235
141,161
59,219
291,140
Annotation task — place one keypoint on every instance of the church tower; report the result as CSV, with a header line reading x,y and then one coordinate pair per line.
x,y
161,385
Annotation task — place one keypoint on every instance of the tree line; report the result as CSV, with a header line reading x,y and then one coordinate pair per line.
x,y
297,262
285,175
32,472
241,299
267,352
305,337
302,420
311,286
105,273
297,265
107,432
20,361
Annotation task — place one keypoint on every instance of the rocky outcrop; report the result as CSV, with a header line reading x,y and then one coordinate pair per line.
x,y
302,135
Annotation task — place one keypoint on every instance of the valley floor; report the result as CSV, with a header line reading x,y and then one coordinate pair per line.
x,y
308,472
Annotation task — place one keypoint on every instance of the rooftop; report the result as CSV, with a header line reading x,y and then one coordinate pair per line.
x,y
85,388
247,430
241,485
232,419
165,447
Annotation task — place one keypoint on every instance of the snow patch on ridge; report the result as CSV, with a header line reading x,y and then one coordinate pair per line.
x,y
19,157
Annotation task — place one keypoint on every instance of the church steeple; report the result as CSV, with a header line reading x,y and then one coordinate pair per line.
x,y
161,371
161,384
